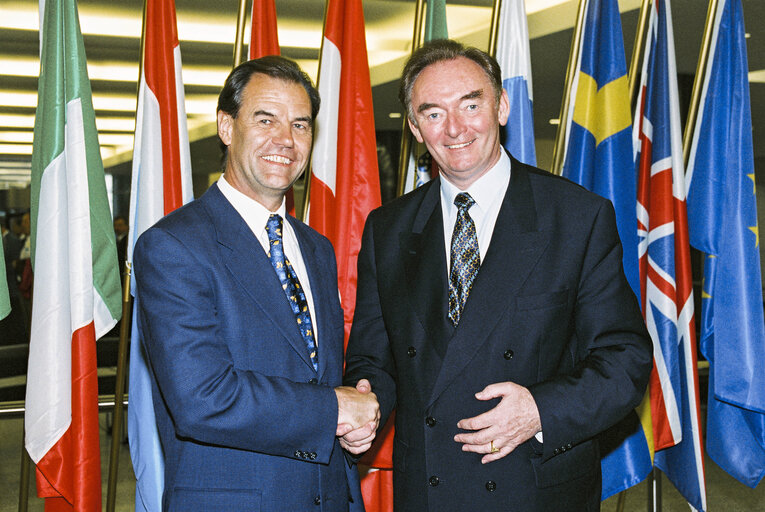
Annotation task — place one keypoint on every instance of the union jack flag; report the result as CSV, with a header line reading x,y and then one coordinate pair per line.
x,y
665,267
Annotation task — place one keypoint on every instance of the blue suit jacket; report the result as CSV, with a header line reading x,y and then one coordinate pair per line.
x,y
550,309
245,421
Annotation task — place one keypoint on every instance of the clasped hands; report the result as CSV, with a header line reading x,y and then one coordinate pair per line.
x,y
498,431
358,416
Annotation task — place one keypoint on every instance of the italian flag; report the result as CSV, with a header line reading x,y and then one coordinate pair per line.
x,y
77,288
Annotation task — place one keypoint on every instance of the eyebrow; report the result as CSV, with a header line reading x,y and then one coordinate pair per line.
x,y
478,93
305,119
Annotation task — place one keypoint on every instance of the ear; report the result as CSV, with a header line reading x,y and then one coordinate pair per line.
x,y
225,127
504,108
415,131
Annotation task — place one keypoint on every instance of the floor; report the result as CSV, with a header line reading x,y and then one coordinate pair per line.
x,y
724,494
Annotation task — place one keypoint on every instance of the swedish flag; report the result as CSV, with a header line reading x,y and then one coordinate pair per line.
x,y
599,157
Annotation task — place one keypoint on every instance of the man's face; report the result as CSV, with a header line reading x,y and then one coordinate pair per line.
x,y
270,139
458,119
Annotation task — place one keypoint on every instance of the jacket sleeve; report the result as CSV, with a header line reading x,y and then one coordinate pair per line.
x,y
613,350
369,355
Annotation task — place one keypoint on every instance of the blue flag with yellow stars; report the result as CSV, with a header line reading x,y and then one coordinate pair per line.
x,y
722,218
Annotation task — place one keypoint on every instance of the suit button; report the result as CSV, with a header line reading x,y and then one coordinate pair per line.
x,y
568,446
433,481
430,421
313,381
491,486
312,455
508,354
297,453
317,500
556,451
411,351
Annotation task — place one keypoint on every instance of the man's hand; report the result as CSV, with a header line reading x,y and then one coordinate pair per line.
x,y
513,421
358,416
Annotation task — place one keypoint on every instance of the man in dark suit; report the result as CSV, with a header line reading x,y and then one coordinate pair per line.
x,y
241,320
492,312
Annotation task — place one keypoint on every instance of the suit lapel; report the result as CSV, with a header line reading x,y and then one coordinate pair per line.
x,y
247,262
423,252
516,245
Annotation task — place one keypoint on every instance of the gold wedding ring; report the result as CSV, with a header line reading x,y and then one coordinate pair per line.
x,y
494,449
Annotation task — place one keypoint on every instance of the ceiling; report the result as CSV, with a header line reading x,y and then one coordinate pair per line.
x,y
207,29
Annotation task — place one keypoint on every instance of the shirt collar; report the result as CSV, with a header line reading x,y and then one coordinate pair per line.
x,y
485,190
254,214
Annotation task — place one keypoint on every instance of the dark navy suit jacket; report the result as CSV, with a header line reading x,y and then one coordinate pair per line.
x,y
245,421
550,309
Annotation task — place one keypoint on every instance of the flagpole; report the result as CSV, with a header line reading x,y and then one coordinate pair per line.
x,y
406,136
494,29
125,322
637,47
239,41
573,56
698,81
307,178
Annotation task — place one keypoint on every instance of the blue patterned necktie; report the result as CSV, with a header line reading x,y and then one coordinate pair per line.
x,y
291,286
466,259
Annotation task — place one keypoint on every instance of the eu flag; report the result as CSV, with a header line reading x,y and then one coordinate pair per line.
x,y
722,216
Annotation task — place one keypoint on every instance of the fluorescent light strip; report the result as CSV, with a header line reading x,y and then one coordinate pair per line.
x,y
197,104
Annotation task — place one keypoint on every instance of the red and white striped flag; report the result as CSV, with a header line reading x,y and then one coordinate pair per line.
x,y
161,182
264,38
345,183
77,287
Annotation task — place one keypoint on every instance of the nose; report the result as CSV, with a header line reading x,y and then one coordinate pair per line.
x,y
454,125
282,136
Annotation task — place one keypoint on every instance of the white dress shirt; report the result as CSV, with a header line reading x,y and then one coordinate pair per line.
x,y
488,191
256,216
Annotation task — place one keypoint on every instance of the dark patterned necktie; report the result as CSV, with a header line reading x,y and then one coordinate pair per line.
x,y
466,259
291,286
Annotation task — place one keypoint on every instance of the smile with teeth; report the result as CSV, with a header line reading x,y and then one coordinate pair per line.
x,y
277,159
458,146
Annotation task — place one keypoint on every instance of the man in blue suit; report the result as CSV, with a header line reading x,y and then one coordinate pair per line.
x,y
492,312
242,324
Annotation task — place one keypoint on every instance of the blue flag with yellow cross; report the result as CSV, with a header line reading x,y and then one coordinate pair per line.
x,y
599,156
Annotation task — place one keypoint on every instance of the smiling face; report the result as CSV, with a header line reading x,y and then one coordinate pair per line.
x,y
269,140
457,116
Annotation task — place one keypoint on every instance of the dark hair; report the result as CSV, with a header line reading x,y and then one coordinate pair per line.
x,y
230,98
438,51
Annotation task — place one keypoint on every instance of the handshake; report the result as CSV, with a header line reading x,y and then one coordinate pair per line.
x,y
358,416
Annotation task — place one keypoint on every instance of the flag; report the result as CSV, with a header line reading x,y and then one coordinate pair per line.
x,y
5,298
515,62
264,38
161,182
76,287
435,20
417,172
345,183
722,215
599,157
665,265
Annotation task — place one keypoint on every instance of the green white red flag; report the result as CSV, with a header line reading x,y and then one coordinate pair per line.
x,y
74,258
